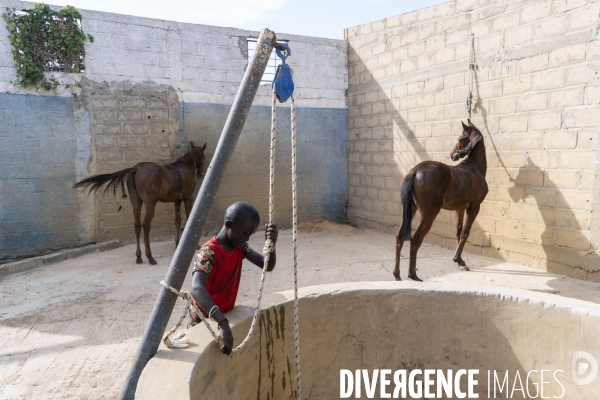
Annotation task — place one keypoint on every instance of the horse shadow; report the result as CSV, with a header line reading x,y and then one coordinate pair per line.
x,y
384,114
560,225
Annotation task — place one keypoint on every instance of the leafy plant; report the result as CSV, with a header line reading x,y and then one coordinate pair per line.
x,y
50,85
46,40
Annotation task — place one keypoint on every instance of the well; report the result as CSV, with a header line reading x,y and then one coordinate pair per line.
x,y
389,325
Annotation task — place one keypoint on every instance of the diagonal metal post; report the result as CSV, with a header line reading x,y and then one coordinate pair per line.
x,y
193,228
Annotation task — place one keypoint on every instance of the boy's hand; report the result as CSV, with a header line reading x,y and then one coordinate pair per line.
x,y
226,338
271,232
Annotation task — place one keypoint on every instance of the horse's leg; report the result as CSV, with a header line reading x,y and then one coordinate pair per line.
x,y
400,243
188,204
177,221
136,202
150,206
459,217
464,235
427,218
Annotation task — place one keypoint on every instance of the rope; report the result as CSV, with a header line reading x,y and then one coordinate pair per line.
x,y
272,162
269,245
182,340
471,72
294,229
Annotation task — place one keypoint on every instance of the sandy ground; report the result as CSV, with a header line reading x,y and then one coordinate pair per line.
x,y
69,331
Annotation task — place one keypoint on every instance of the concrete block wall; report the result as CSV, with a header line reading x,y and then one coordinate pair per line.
x,y
37,151
536,94
130,123
149,88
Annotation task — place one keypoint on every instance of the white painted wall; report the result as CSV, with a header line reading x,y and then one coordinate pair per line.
x,y
203,63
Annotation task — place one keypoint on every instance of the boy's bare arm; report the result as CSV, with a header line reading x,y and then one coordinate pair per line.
x,y
202,297
258,259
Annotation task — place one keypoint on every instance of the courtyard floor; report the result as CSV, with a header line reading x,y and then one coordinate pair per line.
x,y
70,330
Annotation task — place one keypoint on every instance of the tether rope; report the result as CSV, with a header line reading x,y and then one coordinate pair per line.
x,y
471,72
181,340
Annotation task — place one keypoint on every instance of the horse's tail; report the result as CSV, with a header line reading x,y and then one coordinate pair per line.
x,y
112,181
406,194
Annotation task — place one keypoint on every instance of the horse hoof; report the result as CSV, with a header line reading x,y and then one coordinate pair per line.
x,y
460,262
152,261
415,278
397,278
464,268
138,260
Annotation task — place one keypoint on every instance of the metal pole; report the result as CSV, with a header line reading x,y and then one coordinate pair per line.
x,y
193,228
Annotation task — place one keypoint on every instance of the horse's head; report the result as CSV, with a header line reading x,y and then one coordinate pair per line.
x,y
197,154
466,142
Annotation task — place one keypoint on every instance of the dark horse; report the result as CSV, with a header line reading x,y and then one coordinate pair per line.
x,y
149,183
431,186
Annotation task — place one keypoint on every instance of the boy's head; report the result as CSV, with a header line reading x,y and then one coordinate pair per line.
x,y
241,221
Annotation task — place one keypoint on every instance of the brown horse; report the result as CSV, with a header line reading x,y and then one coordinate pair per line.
x,y
149,183
431,186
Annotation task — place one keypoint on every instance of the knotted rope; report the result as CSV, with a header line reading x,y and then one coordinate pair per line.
x,y
182,340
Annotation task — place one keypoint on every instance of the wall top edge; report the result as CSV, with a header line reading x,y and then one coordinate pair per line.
x,y
175,25
411,16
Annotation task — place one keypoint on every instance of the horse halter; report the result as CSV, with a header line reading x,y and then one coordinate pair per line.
x,y
465,151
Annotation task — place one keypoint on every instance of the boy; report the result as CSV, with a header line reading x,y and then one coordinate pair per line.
x,y
218,266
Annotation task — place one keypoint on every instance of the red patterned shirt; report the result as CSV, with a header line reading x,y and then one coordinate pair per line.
x,y
224,269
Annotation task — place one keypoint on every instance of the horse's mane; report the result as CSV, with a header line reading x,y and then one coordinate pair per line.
x,y
186,158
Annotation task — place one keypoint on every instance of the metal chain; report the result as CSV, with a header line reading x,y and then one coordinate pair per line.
x,y
471,71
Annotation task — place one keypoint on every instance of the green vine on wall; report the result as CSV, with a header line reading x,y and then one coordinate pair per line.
x,y
46,40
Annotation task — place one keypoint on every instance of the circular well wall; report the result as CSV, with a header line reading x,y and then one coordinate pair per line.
x,y
386,325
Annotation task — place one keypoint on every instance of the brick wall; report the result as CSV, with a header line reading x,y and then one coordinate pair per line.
x,y
536,95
